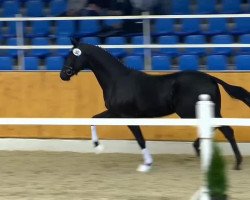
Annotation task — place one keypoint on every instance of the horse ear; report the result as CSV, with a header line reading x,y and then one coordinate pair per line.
x,y
74,41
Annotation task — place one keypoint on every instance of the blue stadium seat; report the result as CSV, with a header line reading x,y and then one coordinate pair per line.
x,y
163,27
205,6
91,40
231,6
137,40
34,8
216,26
217,62
63,41
88,28
57,7
195,39
6,63
40,52
39,29
11,30
65,28
222,39
188,62
189,26
161,63
31,63
241,26
54,62
242,62
134,62
10,8
119,52
244,39
180,7
169,39
12,42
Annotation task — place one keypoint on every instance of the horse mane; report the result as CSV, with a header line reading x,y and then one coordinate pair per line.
x,y
93,52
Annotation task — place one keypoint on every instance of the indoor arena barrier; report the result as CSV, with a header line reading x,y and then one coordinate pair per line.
x,y
205,122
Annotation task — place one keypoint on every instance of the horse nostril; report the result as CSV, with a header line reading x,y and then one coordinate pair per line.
x,y
69,72
64,76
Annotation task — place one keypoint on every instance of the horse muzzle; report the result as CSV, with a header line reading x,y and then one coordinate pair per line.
x,y
66,73
64,76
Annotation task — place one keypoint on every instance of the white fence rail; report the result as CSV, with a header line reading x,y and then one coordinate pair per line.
x,y
130,46
125,17
215,122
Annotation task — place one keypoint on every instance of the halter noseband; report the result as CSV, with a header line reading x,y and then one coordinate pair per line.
x,y
69,70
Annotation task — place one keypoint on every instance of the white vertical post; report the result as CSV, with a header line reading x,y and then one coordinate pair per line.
x,y
147,40
20,52
205,112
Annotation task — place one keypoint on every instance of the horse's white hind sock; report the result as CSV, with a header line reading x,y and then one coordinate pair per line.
x,y
147,156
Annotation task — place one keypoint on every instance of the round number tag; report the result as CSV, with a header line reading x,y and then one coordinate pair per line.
x,y
77,52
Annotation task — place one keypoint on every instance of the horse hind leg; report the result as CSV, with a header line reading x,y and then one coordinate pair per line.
x,y
148,160
229,135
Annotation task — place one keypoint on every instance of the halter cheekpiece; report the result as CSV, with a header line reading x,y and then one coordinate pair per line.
x,y
77,52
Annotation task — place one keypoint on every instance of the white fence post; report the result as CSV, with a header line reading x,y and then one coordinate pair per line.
x,y
20,42
147,40
205,113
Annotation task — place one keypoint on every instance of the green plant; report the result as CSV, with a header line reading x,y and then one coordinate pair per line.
x,y
216,175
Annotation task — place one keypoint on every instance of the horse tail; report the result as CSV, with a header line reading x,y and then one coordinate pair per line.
x,y
234,91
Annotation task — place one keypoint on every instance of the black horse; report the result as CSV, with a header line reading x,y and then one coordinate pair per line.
x,y
134,94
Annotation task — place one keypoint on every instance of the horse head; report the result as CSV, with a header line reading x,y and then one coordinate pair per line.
x,y
75,61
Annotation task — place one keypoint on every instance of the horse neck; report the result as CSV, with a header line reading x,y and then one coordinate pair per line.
x,y
106,68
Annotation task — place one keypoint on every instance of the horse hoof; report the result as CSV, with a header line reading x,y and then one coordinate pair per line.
x,y
144,168
197,150
99,149
237,167
238,163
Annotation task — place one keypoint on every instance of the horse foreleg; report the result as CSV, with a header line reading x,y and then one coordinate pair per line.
x,y
148,160
95,140
229,135
196,146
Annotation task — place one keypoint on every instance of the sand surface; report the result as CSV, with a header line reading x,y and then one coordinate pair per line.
x,y
76,176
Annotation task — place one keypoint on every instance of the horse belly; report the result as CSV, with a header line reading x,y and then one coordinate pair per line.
x,y
140,109
155,109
